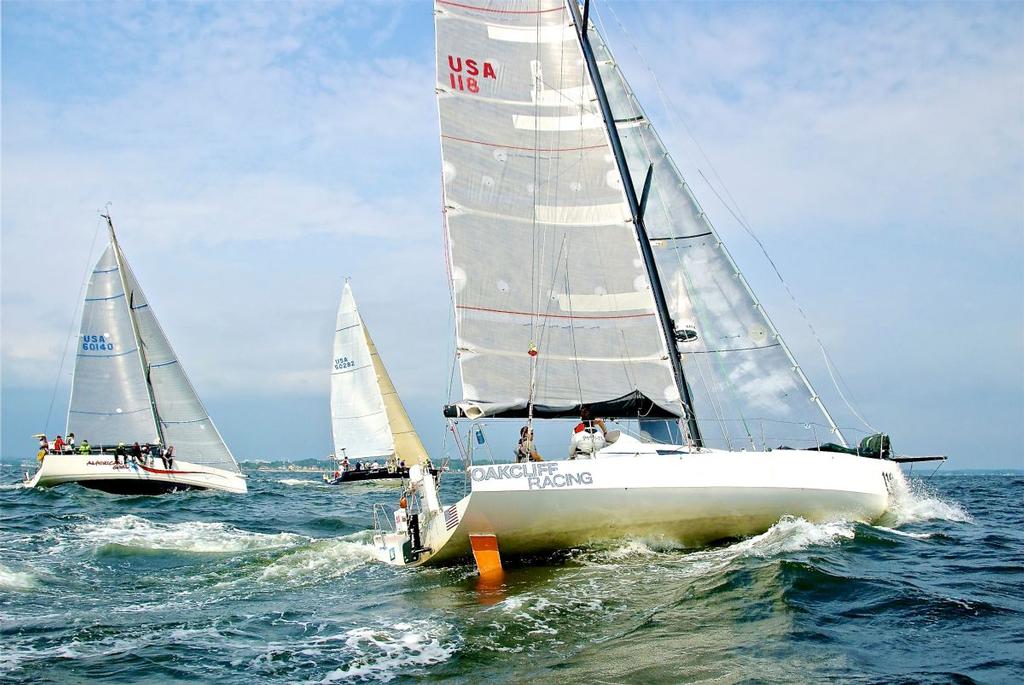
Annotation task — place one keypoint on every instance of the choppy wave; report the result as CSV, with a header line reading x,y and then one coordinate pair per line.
x,y
136,533
300,481
12,580
321,560
383,653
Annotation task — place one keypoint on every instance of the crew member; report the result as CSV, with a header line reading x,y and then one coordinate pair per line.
x,y
588,421
120,454
69,444
58,445
86,448
526,451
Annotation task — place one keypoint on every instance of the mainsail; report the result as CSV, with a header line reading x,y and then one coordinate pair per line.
x,y
544,251
109,399
129,385
368,419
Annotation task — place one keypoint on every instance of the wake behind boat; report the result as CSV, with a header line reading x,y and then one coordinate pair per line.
x,y
130,388
588,282
373,436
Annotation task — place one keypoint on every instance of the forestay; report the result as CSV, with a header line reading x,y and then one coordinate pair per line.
x,y
542,247
359,420
184,421
109,399
746,387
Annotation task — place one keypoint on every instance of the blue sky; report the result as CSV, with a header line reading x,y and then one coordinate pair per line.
x,y
255,154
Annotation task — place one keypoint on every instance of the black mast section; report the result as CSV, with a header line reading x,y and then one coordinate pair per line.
x,y
667,325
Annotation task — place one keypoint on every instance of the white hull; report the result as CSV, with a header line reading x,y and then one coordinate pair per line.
x,y
99,471
692,499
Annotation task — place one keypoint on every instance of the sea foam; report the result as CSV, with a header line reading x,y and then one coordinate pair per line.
x,y
135,532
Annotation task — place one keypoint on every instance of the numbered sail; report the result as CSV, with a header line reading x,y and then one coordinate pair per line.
x,y
359,419
109,399
184,420
543,252
746,388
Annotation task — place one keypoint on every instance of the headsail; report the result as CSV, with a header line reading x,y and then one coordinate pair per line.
x,y
184,421
408,446
543,251
359,420
109,399
746,385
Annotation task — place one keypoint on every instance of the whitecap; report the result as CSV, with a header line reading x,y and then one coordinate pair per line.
x,y
385,652
299,481
188,536
321,560
18,581
904,533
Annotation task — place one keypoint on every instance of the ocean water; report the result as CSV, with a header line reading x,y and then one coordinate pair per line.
x,y
281,586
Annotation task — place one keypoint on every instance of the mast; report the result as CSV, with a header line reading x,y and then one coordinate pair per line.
x,y
135,328
636,209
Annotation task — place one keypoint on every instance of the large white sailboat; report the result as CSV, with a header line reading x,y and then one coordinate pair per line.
x,y
129,387
588,282
373,436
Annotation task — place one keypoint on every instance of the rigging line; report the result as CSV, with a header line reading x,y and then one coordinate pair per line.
x,y
792,297
71,329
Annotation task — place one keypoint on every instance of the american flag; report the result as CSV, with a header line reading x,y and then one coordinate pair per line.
x,y
451,517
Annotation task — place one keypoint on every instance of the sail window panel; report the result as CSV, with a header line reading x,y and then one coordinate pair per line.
x,y
503,125
109,399
556,33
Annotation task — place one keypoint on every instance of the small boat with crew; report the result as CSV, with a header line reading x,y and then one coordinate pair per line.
x,y
130,389
374,439
589,284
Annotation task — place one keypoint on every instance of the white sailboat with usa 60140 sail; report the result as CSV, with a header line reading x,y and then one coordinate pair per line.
x,y
130,388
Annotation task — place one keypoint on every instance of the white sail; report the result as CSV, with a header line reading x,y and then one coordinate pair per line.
x,y
543,251
745,384
359,419
109,399
408,446
184,420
